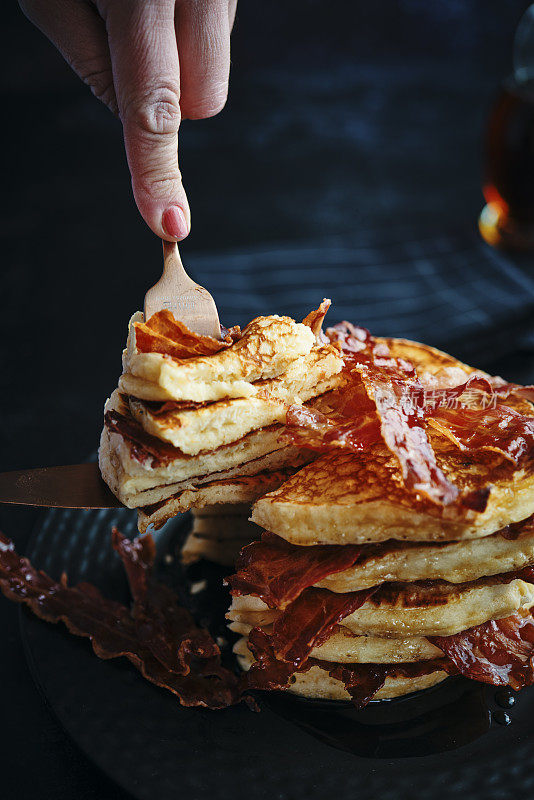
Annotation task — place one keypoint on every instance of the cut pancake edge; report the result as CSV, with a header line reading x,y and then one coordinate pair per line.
x,y
130,493
236,490
216,424
171,464
266,348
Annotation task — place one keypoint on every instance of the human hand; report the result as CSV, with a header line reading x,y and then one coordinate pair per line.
x,y
152,62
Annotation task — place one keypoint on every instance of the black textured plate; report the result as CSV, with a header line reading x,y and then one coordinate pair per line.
x,y
141,737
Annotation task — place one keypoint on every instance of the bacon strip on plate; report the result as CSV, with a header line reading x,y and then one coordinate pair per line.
x,y
167,629
114,632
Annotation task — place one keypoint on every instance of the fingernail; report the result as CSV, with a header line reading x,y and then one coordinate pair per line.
x,y
175,223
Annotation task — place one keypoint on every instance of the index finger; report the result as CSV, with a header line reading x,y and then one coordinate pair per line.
x,y
146,74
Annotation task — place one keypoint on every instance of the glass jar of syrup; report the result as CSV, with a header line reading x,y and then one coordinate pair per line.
x,y
507,219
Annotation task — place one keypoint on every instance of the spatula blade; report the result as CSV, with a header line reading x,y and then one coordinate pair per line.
x,y
72,486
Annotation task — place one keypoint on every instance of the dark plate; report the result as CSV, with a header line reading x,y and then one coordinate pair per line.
x,y
434,744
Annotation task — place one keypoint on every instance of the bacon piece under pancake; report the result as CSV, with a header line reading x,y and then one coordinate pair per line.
x,y
306,623
362,681
164,334
499,652
277,571
516,529
143,447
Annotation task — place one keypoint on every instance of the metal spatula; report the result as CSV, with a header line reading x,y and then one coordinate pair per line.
x,y
190,303
73,486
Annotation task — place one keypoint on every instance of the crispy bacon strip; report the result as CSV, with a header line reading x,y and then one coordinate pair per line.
x,y
503,389
306,623
168,630
470,416
390,384
477,391
347,419
143,447
402,427
277,571
162,333
499,652
350,338
499,428
112,630
169,407
314,320
383,399
376,402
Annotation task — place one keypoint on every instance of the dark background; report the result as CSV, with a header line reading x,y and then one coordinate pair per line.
x,y
344,117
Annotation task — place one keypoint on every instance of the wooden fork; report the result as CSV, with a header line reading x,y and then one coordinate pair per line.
x,y
190,303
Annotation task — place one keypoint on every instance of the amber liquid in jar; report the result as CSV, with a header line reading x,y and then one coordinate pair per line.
x,y
507,220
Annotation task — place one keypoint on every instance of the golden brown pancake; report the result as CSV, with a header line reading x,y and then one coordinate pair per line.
x,y
455,562
212,425
266,349
354,498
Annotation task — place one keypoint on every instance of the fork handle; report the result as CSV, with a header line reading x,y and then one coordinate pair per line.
x,y
173,269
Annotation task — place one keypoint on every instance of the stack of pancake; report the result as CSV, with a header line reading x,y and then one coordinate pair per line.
x,y
196,422
218,533
363,588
